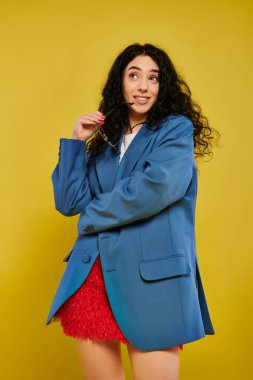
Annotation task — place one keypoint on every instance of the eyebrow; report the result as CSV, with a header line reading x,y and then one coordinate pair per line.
x,y
137,68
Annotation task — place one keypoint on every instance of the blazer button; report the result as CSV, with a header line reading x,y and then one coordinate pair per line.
x,y
86,258
88,229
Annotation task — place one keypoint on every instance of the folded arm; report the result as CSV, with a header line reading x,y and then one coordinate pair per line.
x,y
165,179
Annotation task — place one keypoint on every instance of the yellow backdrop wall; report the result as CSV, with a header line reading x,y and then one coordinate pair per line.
x,y
54,60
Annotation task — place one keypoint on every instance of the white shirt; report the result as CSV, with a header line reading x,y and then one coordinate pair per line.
x,y
127,139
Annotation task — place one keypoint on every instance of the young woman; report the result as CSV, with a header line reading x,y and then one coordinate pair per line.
x,y
129,170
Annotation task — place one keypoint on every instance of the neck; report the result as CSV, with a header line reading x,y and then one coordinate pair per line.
x,y
134,128
135,117
133,120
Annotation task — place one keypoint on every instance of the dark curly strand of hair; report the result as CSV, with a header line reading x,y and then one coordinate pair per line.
x,y
174,97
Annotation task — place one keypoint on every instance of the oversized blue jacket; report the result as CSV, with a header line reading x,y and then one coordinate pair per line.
x,y
139,215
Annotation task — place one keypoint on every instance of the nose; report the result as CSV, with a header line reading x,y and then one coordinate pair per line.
x,y
143,85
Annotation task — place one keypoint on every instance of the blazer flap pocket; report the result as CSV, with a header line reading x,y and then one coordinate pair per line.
x,y
66,258
169,266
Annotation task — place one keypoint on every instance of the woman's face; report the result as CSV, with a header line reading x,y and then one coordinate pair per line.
x,y
140,85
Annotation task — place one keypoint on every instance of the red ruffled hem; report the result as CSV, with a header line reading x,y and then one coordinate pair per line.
x,y
87,314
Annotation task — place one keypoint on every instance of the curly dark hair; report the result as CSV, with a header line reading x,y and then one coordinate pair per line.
x,y
174,97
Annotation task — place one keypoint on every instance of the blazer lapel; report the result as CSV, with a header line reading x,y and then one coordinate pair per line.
x,y
110,170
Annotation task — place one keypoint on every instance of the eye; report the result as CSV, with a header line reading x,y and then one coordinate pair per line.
x,y
154,78
131,75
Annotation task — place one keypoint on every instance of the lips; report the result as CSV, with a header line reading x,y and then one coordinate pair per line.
x,y
141,96
141,99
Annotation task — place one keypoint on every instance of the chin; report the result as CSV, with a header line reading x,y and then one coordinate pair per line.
x,y
142,108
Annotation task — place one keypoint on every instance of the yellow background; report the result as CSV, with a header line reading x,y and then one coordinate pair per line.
x,y
55,56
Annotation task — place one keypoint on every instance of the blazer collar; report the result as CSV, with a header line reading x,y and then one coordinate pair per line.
x,y
110,170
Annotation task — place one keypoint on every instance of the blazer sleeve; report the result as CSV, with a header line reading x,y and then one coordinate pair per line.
x,y
69,178
165,179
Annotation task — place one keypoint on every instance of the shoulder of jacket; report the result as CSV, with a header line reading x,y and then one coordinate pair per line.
x,y
175,126
173,121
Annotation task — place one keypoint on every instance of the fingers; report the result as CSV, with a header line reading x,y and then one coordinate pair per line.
x,y
99,114
96,117
100,118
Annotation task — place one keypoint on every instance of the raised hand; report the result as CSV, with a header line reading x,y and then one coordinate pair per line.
x,y
86,125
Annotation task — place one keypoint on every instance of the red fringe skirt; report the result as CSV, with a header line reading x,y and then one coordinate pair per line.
x,y
87,314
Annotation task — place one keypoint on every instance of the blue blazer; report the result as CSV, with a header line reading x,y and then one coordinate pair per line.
x,y
139,215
